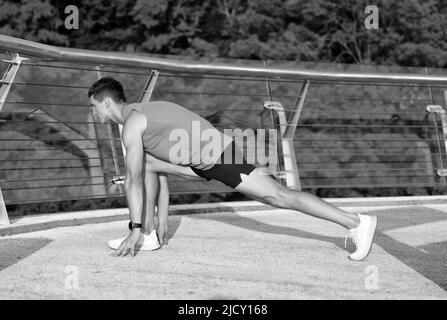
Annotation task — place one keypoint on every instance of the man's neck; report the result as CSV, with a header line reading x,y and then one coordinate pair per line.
x,y
120,116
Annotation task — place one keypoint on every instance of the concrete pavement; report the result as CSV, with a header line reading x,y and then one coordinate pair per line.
x,y
256,254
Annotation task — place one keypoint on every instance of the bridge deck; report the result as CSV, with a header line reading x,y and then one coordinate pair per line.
x,y
257,254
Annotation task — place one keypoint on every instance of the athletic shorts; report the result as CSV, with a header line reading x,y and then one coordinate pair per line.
x,y
230,173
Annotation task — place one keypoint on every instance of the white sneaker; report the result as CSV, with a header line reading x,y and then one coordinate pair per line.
x,y
362,236
150,242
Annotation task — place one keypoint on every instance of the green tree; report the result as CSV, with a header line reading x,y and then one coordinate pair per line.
x,y
32,20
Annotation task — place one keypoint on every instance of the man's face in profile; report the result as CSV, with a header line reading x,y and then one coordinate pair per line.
x,y
99,110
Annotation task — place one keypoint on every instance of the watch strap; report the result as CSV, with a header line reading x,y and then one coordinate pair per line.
x,y
133,225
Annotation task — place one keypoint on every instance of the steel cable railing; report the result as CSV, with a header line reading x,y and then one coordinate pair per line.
x,y
353,133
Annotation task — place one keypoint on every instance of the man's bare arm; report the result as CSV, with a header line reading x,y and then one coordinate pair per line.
x,y
133,184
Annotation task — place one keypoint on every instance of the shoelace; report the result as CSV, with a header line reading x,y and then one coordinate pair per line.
x,y
351,234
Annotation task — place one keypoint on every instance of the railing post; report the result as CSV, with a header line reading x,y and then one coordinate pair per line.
x,y
287,133
276,122
94,156
437,109
288,154
145,96
8,77
4,220
112,144
298,106
5,87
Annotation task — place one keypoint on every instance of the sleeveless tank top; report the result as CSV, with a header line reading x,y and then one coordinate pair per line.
x,y
177,135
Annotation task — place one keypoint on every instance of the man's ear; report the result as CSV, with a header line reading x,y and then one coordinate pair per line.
x,y
107,102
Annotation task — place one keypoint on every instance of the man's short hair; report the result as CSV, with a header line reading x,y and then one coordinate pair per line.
x,y
107,87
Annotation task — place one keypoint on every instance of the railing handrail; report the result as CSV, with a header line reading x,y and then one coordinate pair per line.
x,y
125,59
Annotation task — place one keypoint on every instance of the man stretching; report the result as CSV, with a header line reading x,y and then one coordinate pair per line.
x,y
147,137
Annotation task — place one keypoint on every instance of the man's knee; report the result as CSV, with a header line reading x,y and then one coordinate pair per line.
x,y
148,159
152,164
150,168
280,199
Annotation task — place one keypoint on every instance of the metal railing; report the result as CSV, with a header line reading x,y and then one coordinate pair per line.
x,y
29,48
338,132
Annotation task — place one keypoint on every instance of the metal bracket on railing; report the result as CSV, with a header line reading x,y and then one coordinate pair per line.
x,y
118,179
4,220
434,108
287,132
146,94
112,141
5,87
279,171
8,77
288,151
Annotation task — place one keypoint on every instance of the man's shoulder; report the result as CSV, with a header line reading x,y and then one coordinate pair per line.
x,y
136,105
135,121
149,105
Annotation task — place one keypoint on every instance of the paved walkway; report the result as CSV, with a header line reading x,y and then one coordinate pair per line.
x,y
264,254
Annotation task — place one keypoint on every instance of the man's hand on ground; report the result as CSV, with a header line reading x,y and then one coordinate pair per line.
x,y
129,244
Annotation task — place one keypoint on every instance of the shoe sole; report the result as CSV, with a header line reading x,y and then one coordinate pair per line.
x,y
146,249
373,231
113,247
139,249
136,249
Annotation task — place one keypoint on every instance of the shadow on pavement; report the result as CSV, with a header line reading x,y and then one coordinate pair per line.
x,y
14,250
255,225
173,225
430,260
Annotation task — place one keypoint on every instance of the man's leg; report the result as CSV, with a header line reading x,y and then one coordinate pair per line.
x,y
163,208
264,188
151,190
157,182
150,193
162,166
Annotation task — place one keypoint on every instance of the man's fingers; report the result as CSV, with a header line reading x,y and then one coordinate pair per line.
x,y
165,237
161,240
162,236
121,249
126,251
117,252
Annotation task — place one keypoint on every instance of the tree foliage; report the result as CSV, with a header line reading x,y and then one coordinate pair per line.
x,y
411,33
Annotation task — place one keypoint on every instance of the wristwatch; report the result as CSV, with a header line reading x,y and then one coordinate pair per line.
x,y
133,225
